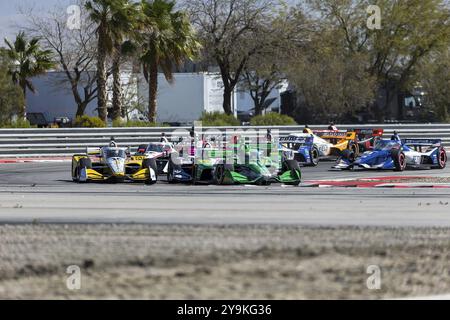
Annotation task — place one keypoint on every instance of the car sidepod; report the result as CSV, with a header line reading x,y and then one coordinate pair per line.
x,y
252,173
201,172
258,174
375,160
178,173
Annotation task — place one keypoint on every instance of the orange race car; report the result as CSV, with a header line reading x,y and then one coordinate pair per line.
x,y
334,142
331,143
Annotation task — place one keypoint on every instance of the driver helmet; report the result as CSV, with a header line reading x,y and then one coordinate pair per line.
x,y
164,138
332,127
113,143
269,134
395,137
307,130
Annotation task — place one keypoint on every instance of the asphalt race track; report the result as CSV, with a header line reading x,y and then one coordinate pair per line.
x,y
134,241
44,193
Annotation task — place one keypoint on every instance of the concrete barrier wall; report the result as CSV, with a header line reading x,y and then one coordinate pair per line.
x,y
64,142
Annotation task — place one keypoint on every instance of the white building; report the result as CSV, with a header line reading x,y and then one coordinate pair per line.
x,y
187,97
182,102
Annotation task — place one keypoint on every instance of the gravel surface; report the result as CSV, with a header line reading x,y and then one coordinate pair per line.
x,y
229,262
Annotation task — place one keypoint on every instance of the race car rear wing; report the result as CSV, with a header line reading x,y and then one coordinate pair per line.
x,y
93,151
423,142
306,139
366,132
329,134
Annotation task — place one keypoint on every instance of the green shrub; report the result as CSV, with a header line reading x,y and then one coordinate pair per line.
x,y
273,119
18,124
217,119
89,122
136,124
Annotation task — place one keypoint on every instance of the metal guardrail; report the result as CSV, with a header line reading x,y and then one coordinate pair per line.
x,y
67,141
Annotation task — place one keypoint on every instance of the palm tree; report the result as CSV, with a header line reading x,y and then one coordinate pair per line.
x,y
167,40
114,19
129,21
117,83
28,60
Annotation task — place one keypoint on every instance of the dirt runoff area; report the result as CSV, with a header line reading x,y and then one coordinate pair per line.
x,y
212,262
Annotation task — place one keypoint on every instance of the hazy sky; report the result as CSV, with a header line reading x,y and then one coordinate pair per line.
x,y
10,17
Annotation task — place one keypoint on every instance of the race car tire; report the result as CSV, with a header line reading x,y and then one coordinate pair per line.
x,y
442,158
349,155
194,175
315,157
76,178
75,175
353,147
74,171
151,163
292,165
219,173
263,182
171,167
85,163
399,158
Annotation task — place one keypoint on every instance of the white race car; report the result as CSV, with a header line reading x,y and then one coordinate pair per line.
x,y
160,151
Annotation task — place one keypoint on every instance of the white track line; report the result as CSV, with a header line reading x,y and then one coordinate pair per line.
x,y
436,297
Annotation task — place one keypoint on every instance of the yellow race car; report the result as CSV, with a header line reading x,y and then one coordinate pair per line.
x,y
113,164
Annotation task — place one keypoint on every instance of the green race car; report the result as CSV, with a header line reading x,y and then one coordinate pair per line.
x,y
236,164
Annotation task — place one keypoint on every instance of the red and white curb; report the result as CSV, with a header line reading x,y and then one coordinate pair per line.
x,y
34,160
377,182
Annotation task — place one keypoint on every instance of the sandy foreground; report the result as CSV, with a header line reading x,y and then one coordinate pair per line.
x,y
229,262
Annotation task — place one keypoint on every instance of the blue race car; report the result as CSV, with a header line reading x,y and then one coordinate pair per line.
x,y
397,155
300,147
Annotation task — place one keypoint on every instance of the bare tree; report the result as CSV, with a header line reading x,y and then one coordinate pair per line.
x,y
74,49
280,37
230,31
260,87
